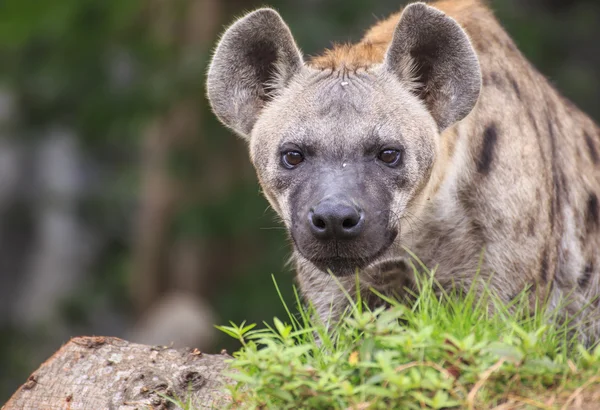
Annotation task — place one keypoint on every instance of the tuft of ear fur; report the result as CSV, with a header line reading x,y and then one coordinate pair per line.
x,y
256,58
430,50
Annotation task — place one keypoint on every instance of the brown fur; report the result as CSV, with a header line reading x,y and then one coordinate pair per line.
x,y
371,49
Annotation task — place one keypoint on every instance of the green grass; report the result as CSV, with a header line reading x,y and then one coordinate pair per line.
x,y
437,352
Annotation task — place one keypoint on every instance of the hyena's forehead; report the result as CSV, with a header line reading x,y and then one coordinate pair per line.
x,y
339,94
341,110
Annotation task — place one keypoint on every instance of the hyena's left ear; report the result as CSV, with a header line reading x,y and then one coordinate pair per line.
x,y
256,56
431,49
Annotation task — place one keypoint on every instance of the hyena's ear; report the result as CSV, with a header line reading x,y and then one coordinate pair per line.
x,y
255,58
431,49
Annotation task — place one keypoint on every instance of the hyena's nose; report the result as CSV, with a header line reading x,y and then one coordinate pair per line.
x,y
335,220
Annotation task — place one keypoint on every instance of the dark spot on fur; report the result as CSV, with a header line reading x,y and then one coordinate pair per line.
x,y
515,86
533,121
477,229
584,279
563,187
538,135
552,213
592,212
591,147
518,228
497,80
486,156
498,223
466,200
544,266
555,204
556,182
531,227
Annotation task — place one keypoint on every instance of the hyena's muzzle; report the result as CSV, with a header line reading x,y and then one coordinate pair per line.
x,y
341,218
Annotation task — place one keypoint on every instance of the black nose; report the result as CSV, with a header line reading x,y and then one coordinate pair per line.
x,y
335,220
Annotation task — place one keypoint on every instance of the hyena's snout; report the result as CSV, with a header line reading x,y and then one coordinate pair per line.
x,y
336,219
339,223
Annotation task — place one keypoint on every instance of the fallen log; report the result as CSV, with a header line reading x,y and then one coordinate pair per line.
x,y
98,373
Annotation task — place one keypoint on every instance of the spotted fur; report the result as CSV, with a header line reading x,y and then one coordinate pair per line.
x,y
517,178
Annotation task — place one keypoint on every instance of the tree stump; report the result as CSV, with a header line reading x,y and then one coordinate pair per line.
x,y
97,373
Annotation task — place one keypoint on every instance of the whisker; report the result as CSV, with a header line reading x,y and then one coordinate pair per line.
x,y
409,219
267,209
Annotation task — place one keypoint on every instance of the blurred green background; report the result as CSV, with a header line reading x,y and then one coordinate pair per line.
x,y
125,208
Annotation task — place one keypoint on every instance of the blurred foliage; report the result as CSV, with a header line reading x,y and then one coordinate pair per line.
x,y
55,61
96,67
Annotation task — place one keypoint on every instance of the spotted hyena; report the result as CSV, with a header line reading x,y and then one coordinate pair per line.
x,y
433,134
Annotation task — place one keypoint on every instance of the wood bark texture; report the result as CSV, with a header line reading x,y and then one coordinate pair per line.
x,y
98,373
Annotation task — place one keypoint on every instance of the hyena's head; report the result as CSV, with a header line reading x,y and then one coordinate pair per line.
x,y
342,155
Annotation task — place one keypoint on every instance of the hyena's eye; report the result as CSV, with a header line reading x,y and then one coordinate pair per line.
x,y
291,159
390,157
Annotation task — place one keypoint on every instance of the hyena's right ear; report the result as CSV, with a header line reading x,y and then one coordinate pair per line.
x,y
255,58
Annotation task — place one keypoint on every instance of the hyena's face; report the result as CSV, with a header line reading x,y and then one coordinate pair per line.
x,y
342,154
340,157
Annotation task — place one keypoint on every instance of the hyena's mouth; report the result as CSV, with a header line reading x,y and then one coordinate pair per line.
x,y
344,266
